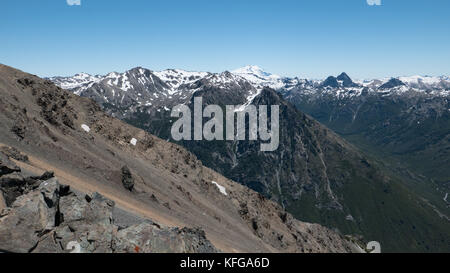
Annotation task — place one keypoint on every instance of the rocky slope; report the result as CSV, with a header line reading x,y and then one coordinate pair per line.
x,y
51,129
314,174
43,216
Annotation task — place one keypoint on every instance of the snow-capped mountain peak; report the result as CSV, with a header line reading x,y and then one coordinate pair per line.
x,y
143,87
253,70
259,77
79,81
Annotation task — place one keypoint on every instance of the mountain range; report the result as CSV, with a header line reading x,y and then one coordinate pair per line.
x,y
338,179
403,118
70,173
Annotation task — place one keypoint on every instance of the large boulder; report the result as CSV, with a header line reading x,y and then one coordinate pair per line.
x,y
88,220
151,238
14,185
127,178
29,218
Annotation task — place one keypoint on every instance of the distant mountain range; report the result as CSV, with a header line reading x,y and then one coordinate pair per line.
x,y
258,77
403,116
315,174
140,87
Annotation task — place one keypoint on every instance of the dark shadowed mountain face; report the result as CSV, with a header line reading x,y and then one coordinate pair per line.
x,y
392,83
410,125
343,81
330,82
346,80
314,173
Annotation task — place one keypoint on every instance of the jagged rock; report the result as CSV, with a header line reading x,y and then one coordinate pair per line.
x,y
45,176
6,165
127,178
14,185
87,221
19,130
154,199
50,219
29,218
48,244
149,238
13,153
2,201
196,241
25,82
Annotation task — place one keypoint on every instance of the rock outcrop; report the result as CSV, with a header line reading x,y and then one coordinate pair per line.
x,y
50,218
13,153
6,165
127,178
148,238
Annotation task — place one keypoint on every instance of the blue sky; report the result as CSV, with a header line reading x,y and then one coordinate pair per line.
x,y
310,38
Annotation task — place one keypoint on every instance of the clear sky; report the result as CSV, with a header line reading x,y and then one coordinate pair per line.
x,y
309,38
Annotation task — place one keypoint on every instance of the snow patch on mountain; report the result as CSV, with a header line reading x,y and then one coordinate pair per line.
x,y
79,81
177,77
221,188
85,128
133,141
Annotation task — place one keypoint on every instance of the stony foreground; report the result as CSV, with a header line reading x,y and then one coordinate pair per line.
x,y
44,216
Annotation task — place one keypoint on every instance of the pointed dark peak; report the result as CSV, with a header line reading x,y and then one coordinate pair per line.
x,y
344,77
346,80
393,82
330,82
